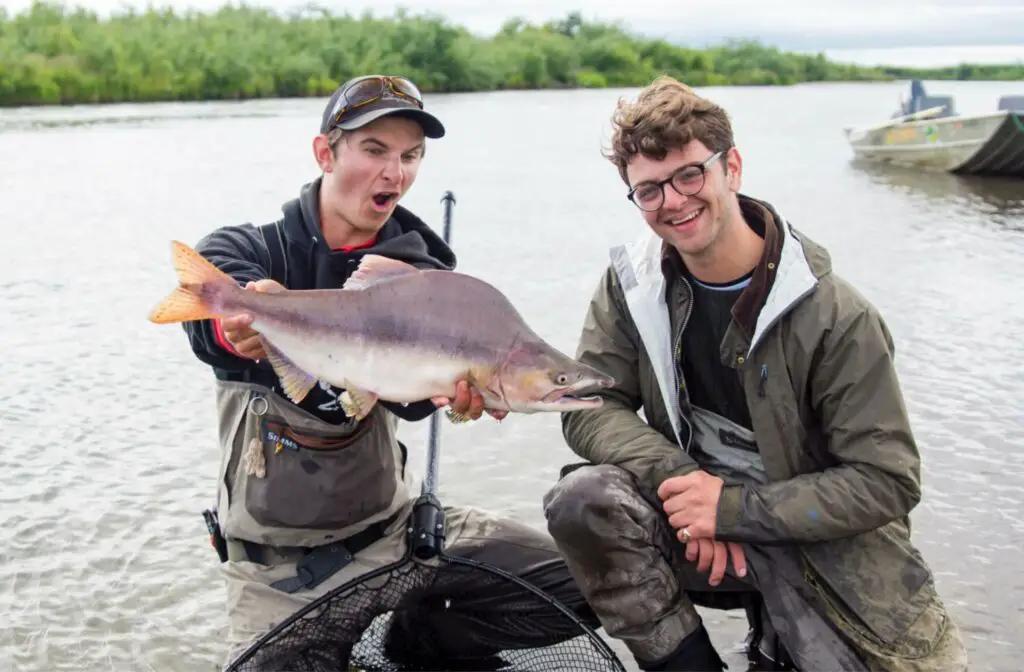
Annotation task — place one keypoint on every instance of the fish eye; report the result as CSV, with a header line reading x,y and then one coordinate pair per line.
x,y
562,379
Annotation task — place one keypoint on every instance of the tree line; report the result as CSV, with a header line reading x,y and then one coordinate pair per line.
x,y
54,54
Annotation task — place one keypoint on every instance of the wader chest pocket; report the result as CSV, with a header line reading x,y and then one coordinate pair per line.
x,y
317,479
274,431
734,440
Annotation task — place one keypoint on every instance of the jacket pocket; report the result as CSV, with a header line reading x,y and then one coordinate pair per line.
x,y
320,476
918,642
877,592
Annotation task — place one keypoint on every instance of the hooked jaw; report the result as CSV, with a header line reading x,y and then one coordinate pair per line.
x,y
559,384
570,396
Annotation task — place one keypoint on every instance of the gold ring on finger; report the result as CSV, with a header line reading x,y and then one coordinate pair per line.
x,y
456,418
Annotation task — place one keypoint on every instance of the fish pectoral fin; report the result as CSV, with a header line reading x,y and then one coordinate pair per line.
x,y
483,381
486,381
295,382
374,268
357,403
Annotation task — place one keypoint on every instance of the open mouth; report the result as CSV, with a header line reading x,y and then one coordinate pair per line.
x,y
685,219
572,396
384,199
574,392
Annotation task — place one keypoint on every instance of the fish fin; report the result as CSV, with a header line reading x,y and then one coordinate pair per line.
x,y
487,381
295,382
188,301
181,305
357,403
374,268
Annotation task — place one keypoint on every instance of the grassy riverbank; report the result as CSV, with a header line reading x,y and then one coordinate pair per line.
x,y
54,54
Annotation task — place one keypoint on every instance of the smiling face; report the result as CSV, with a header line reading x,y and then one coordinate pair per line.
x,y
674,150
366,173
698,203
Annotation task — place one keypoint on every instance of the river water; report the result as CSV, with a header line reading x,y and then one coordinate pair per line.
x,y
107,450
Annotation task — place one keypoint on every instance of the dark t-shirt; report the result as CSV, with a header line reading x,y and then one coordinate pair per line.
x,y
710,384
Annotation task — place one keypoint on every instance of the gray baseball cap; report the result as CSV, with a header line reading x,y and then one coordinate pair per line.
x,y
388,96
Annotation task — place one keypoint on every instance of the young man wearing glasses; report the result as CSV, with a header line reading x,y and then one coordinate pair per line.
x,y
775,467
309,498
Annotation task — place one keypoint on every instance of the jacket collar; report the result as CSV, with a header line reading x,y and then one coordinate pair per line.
x,y
786,272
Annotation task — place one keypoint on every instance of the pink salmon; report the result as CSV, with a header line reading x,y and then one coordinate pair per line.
x,y
392,332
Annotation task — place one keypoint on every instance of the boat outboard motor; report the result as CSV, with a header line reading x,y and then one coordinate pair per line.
x,y
917,95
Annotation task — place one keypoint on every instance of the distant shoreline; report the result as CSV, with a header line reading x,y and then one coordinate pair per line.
x,y
928,56
56,55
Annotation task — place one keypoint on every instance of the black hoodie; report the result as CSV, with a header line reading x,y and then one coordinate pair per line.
x,y
239,251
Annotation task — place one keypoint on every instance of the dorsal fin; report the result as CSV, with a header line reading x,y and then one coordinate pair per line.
x,y
374,268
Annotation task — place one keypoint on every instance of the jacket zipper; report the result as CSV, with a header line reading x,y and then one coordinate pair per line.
x,y
676,365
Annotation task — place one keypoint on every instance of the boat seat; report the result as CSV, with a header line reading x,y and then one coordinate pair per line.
x,y
1012,103
928,102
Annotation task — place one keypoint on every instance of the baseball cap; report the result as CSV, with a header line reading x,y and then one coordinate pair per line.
x,y
371,97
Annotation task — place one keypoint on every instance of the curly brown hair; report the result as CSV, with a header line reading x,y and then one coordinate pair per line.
x,y
665,116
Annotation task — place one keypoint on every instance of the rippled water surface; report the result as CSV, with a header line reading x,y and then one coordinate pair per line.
x,y
107,450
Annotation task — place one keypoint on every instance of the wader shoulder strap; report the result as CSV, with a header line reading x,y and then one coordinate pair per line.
x,y
274,242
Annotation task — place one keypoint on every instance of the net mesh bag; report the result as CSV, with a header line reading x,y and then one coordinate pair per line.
x,y
398,617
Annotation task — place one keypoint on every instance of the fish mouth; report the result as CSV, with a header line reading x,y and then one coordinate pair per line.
x,y
575,393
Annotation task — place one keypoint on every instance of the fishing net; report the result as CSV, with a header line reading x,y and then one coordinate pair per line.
x,y
393,618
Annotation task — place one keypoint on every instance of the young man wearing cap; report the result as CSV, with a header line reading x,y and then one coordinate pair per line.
x,y
774,466
309,499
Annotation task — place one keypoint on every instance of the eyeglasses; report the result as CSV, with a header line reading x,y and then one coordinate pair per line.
x,y
687,181
372,88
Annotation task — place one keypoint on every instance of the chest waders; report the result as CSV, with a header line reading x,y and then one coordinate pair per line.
x,y
263,512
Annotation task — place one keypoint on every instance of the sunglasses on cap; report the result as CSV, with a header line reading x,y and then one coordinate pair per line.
x,y
372,88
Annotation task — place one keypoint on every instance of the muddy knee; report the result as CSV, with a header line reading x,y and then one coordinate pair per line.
x,y
594,503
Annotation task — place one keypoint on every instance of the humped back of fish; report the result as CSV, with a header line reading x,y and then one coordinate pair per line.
x,y
440,311
393,304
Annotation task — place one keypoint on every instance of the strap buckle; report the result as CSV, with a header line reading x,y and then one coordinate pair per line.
x,y
321,562
315,567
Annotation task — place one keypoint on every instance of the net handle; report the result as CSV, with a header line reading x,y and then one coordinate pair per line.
x,y
427,527
434,440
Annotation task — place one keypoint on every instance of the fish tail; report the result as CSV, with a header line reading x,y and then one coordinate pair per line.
x,y
199,284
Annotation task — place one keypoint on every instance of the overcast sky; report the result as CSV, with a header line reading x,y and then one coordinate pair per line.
x,y
791,24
